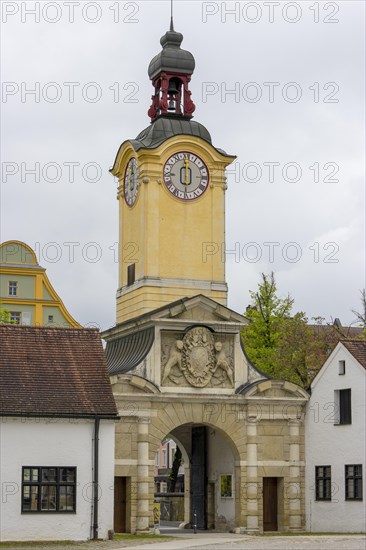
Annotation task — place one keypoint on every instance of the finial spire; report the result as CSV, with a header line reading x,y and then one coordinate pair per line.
x,y
171,16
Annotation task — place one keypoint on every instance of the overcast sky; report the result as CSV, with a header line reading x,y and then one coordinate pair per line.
x,y
295,120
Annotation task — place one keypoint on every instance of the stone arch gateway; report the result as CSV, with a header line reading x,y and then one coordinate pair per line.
x,y
211,398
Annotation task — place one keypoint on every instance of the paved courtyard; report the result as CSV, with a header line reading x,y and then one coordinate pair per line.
x,y
213,541
218,541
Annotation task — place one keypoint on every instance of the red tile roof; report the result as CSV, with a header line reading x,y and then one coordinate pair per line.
x,y
53,371
358,350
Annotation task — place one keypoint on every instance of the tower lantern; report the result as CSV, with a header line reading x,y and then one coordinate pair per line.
x,y
170,72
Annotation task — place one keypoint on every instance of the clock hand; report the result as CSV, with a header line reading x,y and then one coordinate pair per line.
x,y
186,165
132,174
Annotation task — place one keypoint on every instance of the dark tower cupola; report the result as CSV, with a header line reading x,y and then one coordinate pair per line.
x,y
170,72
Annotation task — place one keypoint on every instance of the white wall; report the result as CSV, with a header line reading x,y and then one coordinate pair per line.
x,y
36,442
335,445
221,462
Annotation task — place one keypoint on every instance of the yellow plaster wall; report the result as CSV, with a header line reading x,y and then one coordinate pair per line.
x,y
35,291
148,298
164,236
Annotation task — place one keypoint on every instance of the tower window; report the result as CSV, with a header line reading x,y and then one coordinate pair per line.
x,y
13,288
50,318
342,367
131,274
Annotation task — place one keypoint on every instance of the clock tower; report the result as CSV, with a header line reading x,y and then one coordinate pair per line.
x,y
175,358
171,197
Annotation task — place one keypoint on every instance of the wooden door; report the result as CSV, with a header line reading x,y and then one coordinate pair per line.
x,y
270,504
120,504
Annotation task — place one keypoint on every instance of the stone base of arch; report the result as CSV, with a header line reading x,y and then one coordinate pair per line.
x,y
269,444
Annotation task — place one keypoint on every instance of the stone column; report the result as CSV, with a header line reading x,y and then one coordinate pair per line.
x,y
294,480
143,512
252,492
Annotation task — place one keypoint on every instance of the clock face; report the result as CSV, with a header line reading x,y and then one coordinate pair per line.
x,y
131,182
186,176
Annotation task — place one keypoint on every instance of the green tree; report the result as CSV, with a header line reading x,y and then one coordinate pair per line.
x,y
302,350
4,315
267,315
282,344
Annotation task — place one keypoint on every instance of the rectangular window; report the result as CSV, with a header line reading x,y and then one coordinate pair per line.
x,y
131,273
353,479
323,483
345,412
13,288
50,318
49,489
341,367
15,317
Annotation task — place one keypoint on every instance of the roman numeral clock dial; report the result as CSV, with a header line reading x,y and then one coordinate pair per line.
x,y
131,182
186,176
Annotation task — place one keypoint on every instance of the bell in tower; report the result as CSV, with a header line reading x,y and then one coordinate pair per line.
x,y
170,72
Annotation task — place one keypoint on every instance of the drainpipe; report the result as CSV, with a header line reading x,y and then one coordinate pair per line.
x,y
96,478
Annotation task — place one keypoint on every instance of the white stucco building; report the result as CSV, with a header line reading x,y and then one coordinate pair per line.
x,y
57,419
335,431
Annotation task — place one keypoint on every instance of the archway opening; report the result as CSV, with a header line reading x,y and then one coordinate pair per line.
x,y
196,479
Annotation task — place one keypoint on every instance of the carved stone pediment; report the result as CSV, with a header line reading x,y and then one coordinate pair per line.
x,y
198,358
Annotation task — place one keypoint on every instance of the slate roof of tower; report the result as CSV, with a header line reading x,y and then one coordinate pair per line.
x,y
53,371
165,127
358,350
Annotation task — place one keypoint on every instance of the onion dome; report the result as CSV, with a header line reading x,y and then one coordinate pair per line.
x,y
172,58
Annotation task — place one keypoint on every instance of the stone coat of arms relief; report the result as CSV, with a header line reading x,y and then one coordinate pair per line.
x,y
198,358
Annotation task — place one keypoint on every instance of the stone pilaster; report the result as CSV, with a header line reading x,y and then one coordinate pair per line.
x,y
252,492
143,512
294,481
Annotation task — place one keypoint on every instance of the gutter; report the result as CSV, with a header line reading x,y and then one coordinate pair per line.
x,y
96,477
60,415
